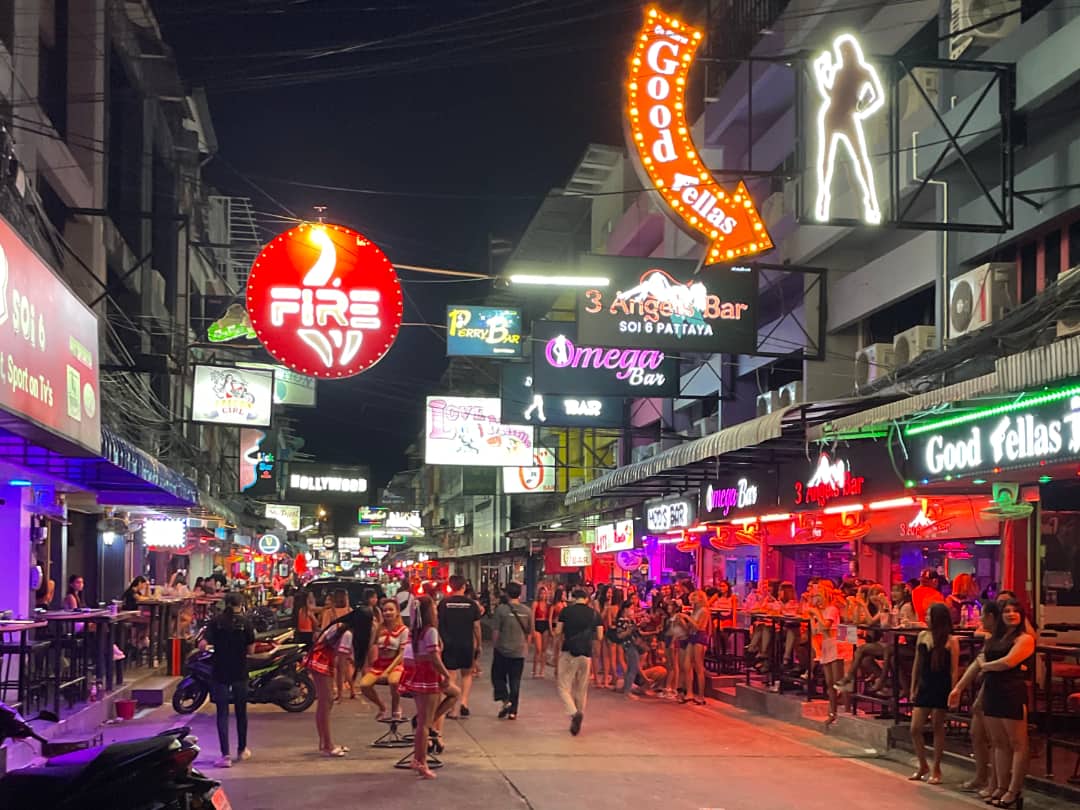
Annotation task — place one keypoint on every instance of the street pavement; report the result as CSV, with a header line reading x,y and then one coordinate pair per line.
x,y
649,753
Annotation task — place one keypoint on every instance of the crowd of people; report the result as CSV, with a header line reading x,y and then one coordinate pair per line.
x,y
425,642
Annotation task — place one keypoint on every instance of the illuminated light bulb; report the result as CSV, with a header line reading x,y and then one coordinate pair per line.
x,y
682,130
714,234
757,226
633,85
697,35
633,110
693,220
678,105
730,253
636,61
679,80
653,12
704,175
691,154
738,198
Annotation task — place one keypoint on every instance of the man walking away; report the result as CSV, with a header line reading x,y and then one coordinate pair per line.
x,y
459,628
513,630
578,625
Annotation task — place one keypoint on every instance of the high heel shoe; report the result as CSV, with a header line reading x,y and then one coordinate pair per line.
x,y
994,798
422,769
1016,803
435,744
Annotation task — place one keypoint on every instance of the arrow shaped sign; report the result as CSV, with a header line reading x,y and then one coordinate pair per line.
x,y
660,137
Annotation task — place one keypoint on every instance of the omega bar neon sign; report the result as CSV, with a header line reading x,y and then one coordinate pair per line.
x,y
727,498
831,480
660,135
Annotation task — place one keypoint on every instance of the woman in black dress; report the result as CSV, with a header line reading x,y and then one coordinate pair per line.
x,y
1008,662
937,664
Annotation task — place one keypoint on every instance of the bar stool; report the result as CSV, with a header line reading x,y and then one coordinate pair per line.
x,y
30,686
393,738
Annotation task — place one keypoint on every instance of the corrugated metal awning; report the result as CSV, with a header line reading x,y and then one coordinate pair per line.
x,y
1040,365
890,412
746,434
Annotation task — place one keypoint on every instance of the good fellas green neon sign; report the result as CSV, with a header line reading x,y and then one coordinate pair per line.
x,y
1043,427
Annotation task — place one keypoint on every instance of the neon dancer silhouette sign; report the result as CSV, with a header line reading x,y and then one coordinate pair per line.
x,y
851,92
666,156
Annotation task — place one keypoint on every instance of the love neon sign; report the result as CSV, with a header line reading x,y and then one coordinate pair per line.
x,y
324,300
660,136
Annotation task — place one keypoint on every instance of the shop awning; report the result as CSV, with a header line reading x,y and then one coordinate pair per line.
x,y
1018,372
766,440
753,432
122,475
902,408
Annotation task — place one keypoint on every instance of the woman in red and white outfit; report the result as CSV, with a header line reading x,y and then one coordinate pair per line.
x,y
386,660
426,678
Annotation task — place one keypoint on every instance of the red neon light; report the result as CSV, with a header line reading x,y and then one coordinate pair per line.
x,y
660,136
324,300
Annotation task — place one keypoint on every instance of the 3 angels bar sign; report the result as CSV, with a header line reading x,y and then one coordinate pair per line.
x,y
660,141
663,304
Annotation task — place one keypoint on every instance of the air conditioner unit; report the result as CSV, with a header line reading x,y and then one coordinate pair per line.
x,y
767,403
930,81
790,394
973,22
1069,322
872,363
645,451
912,342
706,426
980,297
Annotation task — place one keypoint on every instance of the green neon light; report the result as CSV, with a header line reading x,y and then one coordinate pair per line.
x,y
985,413
1045,479
978,481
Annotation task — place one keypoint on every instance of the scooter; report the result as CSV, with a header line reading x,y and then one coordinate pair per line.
x,y
155,772
276,676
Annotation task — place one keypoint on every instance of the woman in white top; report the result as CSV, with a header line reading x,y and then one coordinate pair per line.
x,y
386,660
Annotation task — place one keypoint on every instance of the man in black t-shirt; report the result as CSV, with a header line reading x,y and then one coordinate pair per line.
x,y
459,629
578,626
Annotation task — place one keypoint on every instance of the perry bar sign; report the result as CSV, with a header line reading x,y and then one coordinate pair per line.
x,y
48,347
563,364
483,331
1041,427
662,304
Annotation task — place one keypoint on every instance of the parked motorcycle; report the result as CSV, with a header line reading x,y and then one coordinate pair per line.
x,y
155,772
276,677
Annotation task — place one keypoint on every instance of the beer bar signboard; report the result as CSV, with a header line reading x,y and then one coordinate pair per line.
x,y
664,304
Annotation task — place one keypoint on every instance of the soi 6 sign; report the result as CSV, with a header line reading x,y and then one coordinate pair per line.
x,y
662,304
1044,427
48,347
324,300
660,140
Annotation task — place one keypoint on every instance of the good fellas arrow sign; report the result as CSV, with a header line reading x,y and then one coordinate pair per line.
x,y
660,139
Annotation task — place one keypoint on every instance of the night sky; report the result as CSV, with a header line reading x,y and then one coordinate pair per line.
x,y
461,114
